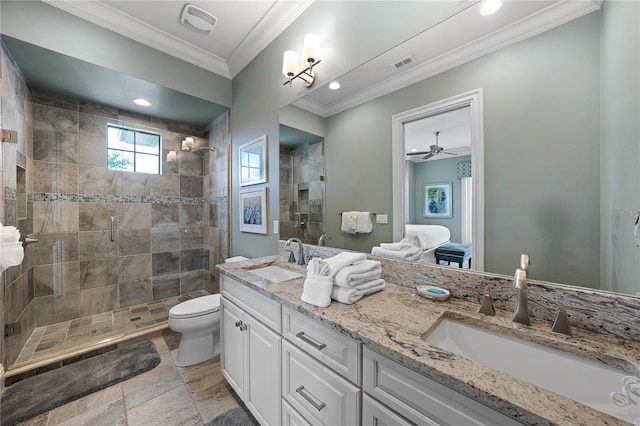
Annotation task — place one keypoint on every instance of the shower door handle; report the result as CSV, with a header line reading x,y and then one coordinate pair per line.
x,y
113,228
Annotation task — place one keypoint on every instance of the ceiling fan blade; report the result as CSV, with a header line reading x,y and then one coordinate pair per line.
x,y
418,153
429,155
449,153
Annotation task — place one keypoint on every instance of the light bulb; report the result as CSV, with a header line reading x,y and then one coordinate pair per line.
x,y
290,63
311,49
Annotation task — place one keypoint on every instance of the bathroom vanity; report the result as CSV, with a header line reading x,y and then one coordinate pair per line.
x,y
293,363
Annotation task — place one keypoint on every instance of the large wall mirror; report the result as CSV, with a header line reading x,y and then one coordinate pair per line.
x,y
561,152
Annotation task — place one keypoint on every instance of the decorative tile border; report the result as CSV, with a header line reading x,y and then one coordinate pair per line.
x,y
10,193
93,198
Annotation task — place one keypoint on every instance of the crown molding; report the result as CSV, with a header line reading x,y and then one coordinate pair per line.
x,y
112,19
269,27
546,19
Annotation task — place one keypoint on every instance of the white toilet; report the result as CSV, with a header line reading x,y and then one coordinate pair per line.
x,y
199,322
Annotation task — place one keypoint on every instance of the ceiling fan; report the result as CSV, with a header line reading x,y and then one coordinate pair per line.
x,y
433,150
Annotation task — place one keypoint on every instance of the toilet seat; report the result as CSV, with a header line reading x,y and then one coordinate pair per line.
x,y
196,307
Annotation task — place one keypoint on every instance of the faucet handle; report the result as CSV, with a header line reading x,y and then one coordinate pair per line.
x,y
486,307
524,262
561,322
292,258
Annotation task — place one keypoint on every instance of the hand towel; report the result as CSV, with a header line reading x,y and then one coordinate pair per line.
x,y
350,296
317,286
11,254
363,223
345,258
349,222
361,272
410,254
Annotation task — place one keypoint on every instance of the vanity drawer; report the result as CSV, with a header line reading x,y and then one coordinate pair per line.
x,y
259,306
420,399
374,413
333,349
318,394
290,417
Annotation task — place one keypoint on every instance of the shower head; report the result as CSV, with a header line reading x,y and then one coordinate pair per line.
x,y
200,152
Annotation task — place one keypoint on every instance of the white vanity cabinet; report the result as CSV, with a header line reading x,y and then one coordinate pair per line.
x,y
408,397
321,371
251,350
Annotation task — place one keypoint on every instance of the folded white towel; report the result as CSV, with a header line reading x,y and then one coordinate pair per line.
x,y
349,222
11,254
410,254
9,234
349,295
396,246
361,272
345,258
364,224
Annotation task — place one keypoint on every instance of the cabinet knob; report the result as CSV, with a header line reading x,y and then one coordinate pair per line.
x,y
243,327
238,323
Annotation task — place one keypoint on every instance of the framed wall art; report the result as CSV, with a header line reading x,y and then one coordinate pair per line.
x,y
253,211
437,200
253,162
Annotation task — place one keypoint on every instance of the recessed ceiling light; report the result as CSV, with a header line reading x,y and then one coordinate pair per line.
x,y
414,149
490,6
334,85
141,102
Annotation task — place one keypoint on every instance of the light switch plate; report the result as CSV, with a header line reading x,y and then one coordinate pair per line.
x,y
382,218
276,227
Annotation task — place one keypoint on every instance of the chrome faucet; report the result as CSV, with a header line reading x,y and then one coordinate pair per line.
x,y
300,260
323,236
520,283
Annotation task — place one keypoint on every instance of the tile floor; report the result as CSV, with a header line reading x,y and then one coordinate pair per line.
x,y
166,395
55,339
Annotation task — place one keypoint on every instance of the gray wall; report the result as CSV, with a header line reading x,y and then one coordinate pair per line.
x,y
541,129
436,172
620,145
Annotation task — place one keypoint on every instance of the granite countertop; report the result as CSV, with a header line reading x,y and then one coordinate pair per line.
x,y
394,322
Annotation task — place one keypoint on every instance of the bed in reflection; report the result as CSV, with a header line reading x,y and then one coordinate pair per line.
x,y
430,237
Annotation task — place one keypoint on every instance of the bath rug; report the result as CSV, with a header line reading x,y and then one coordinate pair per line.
x,y
238,416
44,392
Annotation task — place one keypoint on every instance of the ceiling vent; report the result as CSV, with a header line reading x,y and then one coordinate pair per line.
x,y
197,19
403,62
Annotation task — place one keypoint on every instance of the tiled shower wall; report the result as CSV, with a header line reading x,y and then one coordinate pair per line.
x,y
170,229
302,192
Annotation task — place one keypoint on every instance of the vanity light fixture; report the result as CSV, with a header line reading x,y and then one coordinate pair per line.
x,y
334,85
490,7
311,53
171,156
141,102
188,144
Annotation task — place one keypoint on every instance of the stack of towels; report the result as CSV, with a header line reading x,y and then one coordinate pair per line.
x,y
356,222
11,250
346,277
407,249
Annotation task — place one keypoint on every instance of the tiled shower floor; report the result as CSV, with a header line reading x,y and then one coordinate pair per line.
x,y
70,336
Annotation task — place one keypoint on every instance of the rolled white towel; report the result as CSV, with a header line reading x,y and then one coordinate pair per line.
x,y
316,289
349,295
363,223
359,273
411,254
349,222
9,234
345,258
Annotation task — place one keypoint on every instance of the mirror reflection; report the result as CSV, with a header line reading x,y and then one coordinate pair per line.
x,y
555,144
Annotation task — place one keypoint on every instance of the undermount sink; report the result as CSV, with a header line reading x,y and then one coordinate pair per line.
x,y
581,379
275,273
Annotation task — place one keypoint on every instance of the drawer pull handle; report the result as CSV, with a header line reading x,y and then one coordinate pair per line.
x,y
238,323
307,395
319,347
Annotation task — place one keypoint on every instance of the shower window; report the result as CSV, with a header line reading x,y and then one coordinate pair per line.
x,y
132,150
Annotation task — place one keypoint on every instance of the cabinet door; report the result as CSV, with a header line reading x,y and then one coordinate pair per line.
x,y
232,353
262,394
